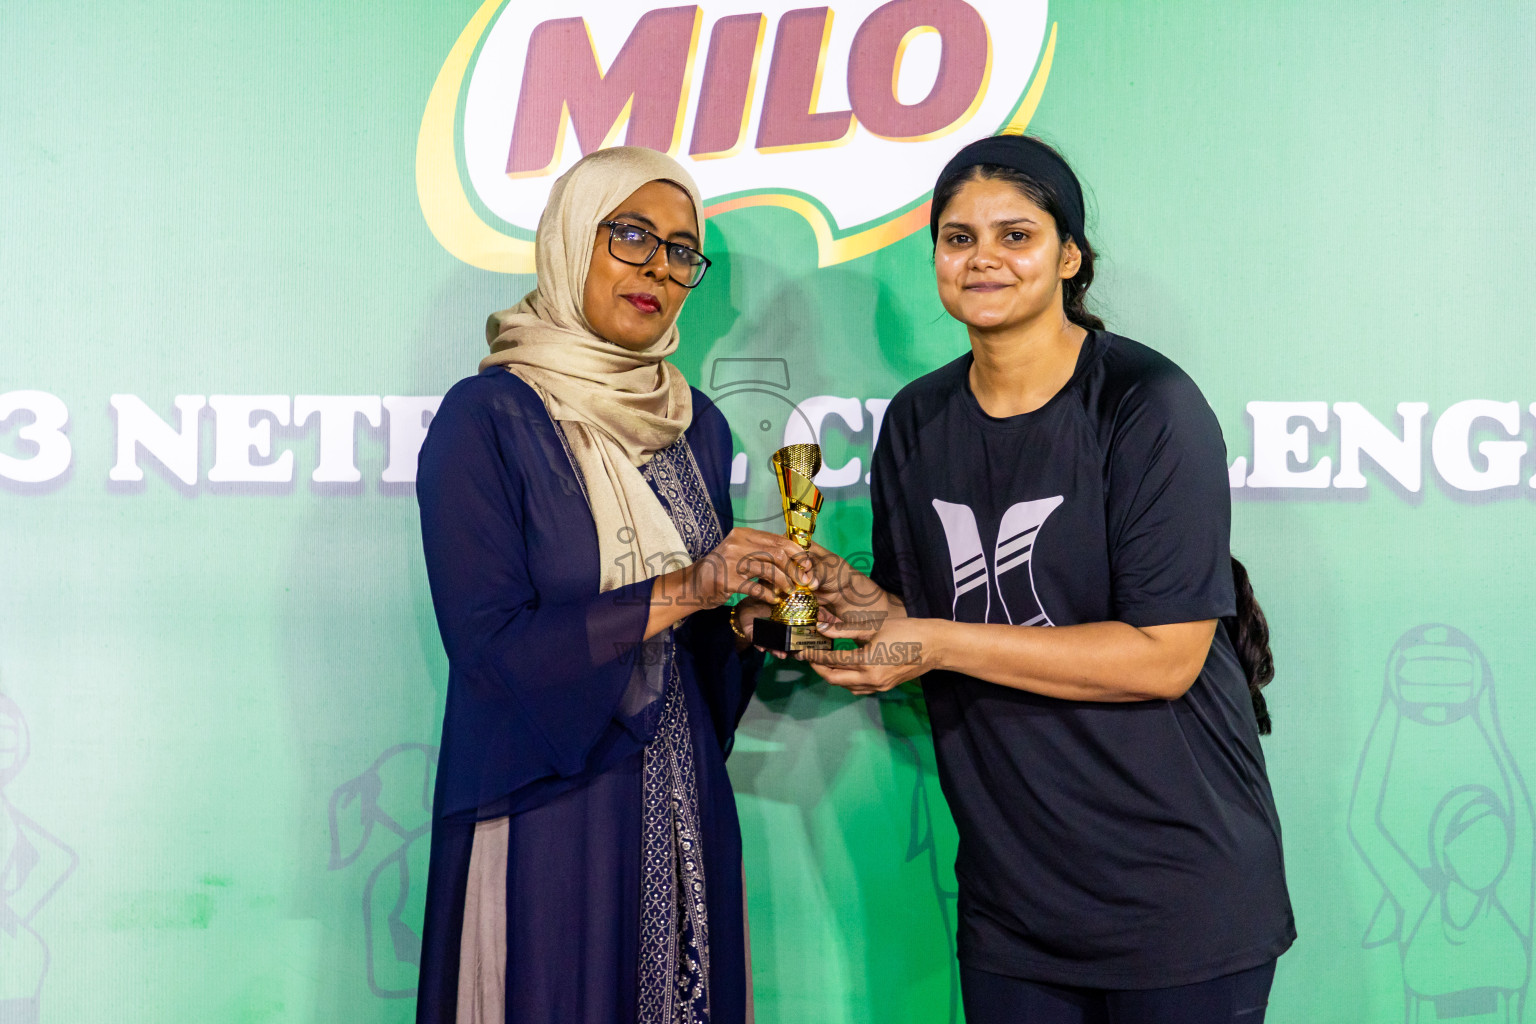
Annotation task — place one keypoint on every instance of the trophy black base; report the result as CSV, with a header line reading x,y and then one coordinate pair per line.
x,y
781,636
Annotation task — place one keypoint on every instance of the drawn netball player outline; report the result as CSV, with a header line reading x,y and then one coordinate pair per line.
x,y
1443,819
1015,547
33,864
754,394
405,811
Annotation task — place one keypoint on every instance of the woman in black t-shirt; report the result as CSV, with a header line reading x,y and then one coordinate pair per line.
x,y
1119,853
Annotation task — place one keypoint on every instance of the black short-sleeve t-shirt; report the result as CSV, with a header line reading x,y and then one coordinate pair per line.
x,y
1111,845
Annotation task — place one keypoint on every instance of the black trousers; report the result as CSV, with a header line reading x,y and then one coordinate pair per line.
x,y
1231,999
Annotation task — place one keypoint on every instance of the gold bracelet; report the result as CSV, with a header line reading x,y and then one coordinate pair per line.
x,y
736,623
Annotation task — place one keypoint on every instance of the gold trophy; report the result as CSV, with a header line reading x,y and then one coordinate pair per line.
x,y
792,626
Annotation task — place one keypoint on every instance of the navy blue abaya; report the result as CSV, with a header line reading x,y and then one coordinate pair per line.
x,y
551,707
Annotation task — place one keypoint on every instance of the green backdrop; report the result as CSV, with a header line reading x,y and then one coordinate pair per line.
x,y
221,699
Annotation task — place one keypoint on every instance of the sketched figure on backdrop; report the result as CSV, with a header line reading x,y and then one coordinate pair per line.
x,y
754,395
1442,816
394,794
33,864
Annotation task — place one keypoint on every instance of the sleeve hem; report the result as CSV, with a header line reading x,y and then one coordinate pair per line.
x,y
1169,614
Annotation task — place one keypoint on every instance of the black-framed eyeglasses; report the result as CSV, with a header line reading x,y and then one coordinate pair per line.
x,y
629,243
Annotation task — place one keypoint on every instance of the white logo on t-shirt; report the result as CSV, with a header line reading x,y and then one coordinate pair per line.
x,y
1016,535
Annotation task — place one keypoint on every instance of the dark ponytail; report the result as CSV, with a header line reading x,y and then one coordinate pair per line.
x,y
1249,631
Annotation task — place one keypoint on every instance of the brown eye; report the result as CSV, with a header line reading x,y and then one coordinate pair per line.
x,y
684,256
959,241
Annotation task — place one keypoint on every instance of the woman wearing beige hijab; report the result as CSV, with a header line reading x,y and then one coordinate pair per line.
x,y
586,857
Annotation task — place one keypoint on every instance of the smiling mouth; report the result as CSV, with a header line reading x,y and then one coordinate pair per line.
x,y
644,303
985,286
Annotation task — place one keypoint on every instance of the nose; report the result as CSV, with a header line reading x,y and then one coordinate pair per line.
x,y
656,267
985,256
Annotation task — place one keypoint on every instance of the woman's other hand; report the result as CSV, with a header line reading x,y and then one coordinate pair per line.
x,y
759,565
755,563
747,612
888,654
848,596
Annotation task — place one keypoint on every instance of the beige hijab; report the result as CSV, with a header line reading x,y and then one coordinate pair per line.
x,y
618,407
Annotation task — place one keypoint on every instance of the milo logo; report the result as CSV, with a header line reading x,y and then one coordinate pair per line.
x,y
840,114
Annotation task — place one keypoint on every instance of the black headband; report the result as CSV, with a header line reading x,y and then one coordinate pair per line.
x,y
1031,158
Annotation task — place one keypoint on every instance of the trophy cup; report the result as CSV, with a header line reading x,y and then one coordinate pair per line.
x,y
792,626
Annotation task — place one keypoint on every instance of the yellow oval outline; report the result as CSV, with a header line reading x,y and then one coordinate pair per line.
x,y
459,229
450,217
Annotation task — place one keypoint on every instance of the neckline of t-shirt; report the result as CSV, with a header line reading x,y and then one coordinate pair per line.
x,y
1093,347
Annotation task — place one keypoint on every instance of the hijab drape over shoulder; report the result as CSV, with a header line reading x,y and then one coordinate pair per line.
x,y
617,406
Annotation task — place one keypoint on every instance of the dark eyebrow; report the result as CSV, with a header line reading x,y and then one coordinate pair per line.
x,y
956,225
631,217
641,220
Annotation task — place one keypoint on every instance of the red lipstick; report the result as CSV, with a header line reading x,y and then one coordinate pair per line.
x,y
645,302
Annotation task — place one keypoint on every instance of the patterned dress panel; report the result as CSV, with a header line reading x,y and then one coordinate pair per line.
x,y
674,924
674,473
